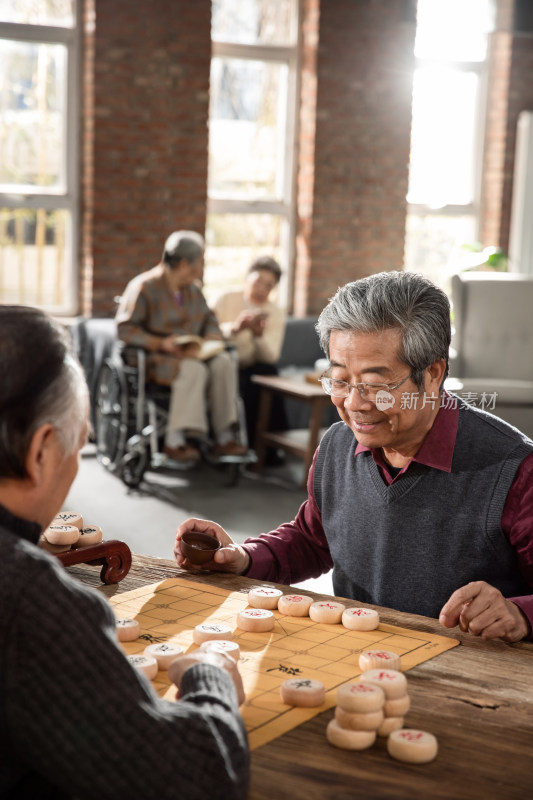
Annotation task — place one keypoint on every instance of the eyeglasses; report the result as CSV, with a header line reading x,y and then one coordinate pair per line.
x,y
367,391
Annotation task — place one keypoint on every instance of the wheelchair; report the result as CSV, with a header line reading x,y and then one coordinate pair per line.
x,y
130,416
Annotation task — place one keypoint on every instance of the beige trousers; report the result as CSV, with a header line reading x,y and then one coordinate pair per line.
x,y
204,390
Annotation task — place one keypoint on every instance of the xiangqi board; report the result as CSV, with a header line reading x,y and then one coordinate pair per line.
x,y
296,647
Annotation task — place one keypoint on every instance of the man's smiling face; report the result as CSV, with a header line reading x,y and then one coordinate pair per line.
x,y
373,358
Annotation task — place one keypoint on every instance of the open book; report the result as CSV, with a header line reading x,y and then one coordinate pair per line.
x,y
196,347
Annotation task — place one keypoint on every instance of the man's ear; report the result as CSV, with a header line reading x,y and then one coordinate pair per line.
x,y
39,457
436,372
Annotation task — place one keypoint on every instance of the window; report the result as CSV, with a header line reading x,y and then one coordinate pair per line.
x,y
251,134
447,134
39,145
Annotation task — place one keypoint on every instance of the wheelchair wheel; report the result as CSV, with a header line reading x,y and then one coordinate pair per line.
x,y
111,415
133,467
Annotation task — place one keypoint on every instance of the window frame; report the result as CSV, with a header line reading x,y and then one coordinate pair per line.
x,y
57,198
288,55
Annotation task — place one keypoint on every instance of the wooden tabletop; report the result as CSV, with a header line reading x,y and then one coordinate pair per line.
x,y
295,386
477,699
301,443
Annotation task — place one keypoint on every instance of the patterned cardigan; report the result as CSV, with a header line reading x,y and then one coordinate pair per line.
x,y
76,720
149,312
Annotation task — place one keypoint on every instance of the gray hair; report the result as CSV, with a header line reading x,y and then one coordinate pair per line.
x,y
182,245
404,300
65,405
41,383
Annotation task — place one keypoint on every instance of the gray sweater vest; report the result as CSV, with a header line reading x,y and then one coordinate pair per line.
x,y
410,545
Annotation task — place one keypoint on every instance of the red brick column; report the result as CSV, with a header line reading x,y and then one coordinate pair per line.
x,y
85,284
361,152
520,99
306,153
510,92
149,160
495,137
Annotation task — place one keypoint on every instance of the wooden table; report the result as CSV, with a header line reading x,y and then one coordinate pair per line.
x,y
477,699
300,443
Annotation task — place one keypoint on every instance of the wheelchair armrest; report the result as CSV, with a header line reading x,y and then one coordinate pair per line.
x,y
135,358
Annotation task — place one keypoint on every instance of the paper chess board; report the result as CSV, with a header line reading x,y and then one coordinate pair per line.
x,y
296,647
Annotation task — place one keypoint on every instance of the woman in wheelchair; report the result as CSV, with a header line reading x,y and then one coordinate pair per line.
x,y
158,308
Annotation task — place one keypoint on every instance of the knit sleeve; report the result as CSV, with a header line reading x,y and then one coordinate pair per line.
x,y
83,718
517,524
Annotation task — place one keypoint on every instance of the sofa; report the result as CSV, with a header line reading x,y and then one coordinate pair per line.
x,y
492,343
299,353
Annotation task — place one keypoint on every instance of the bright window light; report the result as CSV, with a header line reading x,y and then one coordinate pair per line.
x,y
247,128
451,49
38,12
453,30
443,135
253,21
39,147
32,114
252,118
233,241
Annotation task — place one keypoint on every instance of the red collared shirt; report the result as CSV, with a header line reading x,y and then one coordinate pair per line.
x,y
308,554
437,448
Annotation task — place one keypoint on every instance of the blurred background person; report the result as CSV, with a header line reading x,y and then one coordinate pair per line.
x,y
156,307
255,325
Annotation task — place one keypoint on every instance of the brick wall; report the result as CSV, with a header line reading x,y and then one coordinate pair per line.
x,y
145,138
510,91
520,99
148,168
310,19
500,46
145,160
85,285
361,152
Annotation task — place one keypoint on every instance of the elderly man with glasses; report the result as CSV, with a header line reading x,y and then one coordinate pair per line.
x,y
418,500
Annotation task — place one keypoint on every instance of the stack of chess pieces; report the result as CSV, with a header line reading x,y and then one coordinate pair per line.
x,y
67,531
376,705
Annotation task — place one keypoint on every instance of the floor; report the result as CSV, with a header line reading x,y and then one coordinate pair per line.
x,y
146,518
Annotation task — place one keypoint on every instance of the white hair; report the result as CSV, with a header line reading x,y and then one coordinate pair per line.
x,y
64,404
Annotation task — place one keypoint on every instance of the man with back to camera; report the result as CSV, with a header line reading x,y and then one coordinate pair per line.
x,y
417,500
76,719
